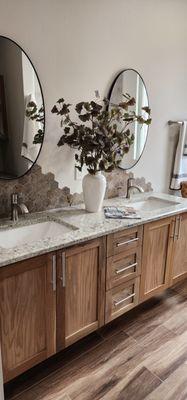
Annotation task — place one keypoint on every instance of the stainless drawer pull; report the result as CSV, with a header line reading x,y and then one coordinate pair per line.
x,y
119,271
179,231
117,303
173,229
63,276
54,273
179,226
127,242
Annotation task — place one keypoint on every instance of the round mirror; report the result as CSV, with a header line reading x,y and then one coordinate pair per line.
x,y
131,83
21,111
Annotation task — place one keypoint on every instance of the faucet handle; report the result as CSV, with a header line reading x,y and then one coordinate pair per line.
x,y
14,198
129,181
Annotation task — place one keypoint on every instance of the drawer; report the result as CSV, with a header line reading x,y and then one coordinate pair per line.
x,y
121,241
123,267
121,299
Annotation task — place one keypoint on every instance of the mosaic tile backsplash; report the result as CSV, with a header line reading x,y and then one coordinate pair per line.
x,y
41,192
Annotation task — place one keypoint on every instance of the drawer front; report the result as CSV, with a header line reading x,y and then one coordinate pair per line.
x,y
123,267
121,299
123,241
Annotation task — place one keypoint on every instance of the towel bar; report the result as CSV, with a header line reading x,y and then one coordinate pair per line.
x,y
175,122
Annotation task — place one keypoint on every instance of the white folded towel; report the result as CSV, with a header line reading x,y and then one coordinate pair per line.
x,y
30,150
180,165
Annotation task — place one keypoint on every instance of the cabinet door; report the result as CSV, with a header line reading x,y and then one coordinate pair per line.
x,y
80,291
156,257
179,259
27,314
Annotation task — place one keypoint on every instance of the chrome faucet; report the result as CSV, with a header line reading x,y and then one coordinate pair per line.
x,y
130,186
16,205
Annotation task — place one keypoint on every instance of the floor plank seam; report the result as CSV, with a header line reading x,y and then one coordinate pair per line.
x,y
144,342
54,372
153,373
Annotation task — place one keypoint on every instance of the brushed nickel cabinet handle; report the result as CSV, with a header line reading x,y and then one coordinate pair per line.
x,y
117,303
127,242
173,229
54,272
119,271
177,228
63,277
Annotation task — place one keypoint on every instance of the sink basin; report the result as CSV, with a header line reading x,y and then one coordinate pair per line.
x,y
152,204
31,233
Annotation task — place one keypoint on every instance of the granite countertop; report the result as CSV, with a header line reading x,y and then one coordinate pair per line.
x,y
85,226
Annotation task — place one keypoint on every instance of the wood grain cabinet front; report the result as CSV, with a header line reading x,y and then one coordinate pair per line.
x,y
156,257
27,314
80,291
121,299
123,267
128,239
51,301
179,256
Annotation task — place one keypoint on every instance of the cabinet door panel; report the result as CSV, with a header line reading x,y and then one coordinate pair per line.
x,y
81,292
27,315
179,270
156,260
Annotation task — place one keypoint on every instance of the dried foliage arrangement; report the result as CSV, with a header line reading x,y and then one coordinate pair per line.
x,y
101,134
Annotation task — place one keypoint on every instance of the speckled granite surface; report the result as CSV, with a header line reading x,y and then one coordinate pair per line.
x,y
85,226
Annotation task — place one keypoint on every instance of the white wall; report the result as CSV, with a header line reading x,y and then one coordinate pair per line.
x,y
78,46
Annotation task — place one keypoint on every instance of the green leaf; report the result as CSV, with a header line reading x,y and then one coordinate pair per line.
x,y
60,100
54,110
67,130
65,109
87,106
79,107
84,117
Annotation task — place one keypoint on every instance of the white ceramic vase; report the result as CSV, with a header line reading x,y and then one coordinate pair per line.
x,y
94,187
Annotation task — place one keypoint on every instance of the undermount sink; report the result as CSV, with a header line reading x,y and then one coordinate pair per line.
x,y
29,234
151,204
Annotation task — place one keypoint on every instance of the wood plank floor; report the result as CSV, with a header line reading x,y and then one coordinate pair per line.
x,y
142,355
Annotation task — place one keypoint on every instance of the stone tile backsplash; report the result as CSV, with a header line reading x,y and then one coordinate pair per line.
x,y
41,192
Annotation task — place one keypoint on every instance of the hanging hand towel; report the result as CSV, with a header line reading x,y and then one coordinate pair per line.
x,y
180,165
30,150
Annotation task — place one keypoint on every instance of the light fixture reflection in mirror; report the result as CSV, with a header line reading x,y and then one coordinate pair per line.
x,y
21,111
129,81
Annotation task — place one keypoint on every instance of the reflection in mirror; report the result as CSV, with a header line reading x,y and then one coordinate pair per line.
x,y
129,81
21,111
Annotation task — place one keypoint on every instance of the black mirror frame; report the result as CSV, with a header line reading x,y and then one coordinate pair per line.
x,y
109,96
18,177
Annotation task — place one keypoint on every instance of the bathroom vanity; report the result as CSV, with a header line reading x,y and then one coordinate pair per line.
x,y
59,289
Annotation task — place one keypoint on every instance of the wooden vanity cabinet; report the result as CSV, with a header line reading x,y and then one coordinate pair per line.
x,y
27,314
156,257
80,291
51,301
164,256
179,257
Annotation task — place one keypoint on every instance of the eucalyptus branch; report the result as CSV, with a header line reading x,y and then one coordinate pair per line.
x,y
99,138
